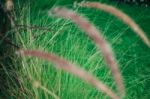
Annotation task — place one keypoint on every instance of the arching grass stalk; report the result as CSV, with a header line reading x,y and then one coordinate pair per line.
x,y
94,34
72,68
119,14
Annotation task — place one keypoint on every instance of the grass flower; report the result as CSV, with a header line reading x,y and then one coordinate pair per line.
x,y
72,68
119,14
95,35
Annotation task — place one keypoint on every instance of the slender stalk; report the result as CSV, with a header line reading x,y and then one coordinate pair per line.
x,y
34,27
37,84
119,14
72,68
94,34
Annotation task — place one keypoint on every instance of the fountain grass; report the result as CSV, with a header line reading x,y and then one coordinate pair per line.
x,y
67,40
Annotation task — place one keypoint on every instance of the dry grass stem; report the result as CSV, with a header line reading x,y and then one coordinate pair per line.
x,y
72,68
94,34
34,27
37,84
118,13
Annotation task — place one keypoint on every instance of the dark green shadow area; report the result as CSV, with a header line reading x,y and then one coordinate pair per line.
x,y
8,77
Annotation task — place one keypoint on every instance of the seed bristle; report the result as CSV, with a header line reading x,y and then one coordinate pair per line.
x,y
119,14
72,68
96,36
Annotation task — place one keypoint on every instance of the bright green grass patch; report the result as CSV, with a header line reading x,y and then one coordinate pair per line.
x,y
68,41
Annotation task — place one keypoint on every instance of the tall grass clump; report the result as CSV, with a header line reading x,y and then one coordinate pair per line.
x,y
68,45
